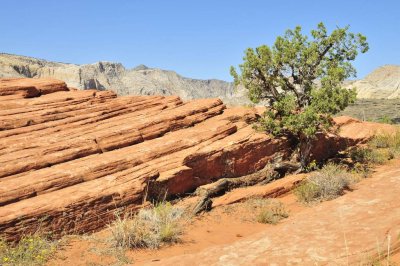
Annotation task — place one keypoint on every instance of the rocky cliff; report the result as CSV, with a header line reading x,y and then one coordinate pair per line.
x,y
114,76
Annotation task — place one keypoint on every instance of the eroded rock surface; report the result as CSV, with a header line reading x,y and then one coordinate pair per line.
x,y
70,159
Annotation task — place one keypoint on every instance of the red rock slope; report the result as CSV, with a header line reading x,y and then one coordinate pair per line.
x,y
70,159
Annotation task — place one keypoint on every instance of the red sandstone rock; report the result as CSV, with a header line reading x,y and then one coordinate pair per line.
x,y
356,131
27,88
350,132
72,158
60,151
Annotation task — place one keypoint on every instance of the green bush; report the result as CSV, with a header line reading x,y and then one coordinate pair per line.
x,y
326,184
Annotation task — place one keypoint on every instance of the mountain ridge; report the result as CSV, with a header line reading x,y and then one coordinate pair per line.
x,y
102,75
382,83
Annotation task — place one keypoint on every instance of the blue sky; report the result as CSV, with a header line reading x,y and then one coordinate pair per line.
x,y
198,39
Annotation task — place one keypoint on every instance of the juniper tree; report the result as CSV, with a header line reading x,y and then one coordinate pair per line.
x,y
300,78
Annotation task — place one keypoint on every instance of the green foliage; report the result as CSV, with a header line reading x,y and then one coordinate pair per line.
x,y
312,166
326,184
385,119
381,148
30,250
286,76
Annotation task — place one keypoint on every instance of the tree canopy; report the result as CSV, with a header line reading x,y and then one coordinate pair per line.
x,y
301,77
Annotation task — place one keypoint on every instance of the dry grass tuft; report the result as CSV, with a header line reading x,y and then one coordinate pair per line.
x,y
268,211
149,228
367,155
380,149
326,184
387,141
272,214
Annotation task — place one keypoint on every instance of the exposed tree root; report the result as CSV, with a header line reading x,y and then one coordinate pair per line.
x,y
269,173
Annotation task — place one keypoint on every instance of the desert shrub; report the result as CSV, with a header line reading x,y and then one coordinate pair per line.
x,y
367,155
360,170
267,211
386,140
149,228
272,214
381,141
328,183
30,250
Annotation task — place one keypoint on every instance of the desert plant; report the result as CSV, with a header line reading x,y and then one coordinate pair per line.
x,y
381,141
30,250
367,155
272,214
361,170
387,140
328,183
266,210
385,119
383,253
286,76
149,228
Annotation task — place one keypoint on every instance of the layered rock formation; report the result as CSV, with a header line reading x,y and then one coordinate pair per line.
x,y
70,159
113,76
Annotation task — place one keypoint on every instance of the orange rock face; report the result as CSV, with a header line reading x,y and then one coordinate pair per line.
x,y
71,159
26,88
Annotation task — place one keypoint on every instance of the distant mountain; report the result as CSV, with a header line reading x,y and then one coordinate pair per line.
x,y
382,83
114,76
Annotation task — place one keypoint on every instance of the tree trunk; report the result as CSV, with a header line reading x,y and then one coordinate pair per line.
x,y
305,152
